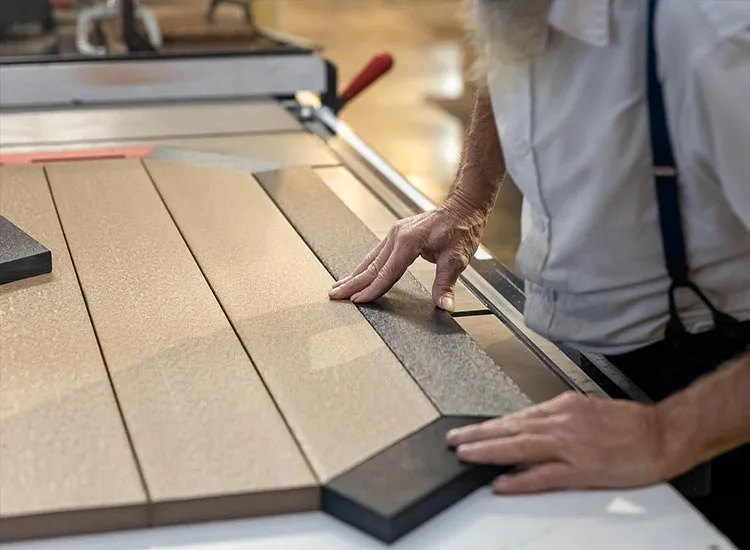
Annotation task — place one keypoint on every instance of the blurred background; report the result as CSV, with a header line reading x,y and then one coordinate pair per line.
x,y
415,117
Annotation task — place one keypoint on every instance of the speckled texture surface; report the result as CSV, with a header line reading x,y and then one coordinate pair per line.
x,y
407,484
21,256
343,393
138,122
379,220
528,371
65,462
449,366
201,420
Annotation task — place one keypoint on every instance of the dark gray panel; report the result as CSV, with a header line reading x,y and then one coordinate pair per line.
x,y
450,367
407,484
20,255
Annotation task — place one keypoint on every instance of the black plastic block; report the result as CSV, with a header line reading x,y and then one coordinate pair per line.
x,y
20,255
407,484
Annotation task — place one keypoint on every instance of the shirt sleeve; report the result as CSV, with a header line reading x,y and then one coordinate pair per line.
x,y
722,98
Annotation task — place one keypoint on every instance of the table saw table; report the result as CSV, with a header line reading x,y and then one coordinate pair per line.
x,y
181,380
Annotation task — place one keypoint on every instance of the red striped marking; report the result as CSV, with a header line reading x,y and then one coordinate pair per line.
x,y
78,155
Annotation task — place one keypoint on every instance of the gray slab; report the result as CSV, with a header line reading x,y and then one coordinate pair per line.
x,y
450,367
139,122
21,256
534,378
407,484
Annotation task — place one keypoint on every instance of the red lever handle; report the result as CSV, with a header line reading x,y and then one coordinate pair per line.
x,y
377,67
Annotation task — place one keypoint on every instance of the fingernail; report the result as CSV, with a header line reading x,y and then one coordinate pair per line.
x,y
453,435
446,303
356,297
334,293
501,484
340,282
464,451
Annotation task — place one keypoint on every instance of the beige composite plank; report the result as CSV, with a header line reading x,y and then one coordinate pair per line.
x,y
342,391
379,220
209,438
65,463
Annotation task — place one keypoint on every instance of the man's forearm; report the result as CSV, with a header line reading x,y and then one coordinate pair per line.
x,y
707,419
483,167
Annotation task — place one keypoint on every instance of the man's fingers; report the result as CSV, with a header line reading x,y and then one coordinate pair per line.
x,y
545,477
509,451
497,427
392,271
446,275
362,265
361,281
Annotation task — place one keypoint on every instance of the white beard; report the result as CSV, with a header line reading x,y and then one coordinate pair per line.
x,y
508,30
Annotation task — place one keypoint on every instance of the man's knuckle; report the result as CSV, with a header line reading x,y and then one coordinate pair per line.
x,y
572,399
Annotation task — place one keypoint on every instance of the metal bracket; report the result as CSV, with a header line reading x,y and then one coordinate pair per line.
x,y
89,17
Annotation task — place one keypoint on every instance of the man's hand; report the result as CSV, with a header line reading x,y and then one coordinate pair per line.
x,y
571,442
448,237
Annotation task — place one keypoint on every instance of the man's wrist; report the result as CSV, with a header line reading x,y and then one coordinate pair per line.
x,y
678,439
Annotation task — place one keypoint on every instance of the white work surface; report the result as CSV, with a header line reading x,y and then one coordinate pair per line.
x,y
654,518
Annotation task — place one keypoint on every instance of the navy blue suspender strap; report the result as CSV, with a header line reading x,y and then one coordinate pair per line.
x,y
667,194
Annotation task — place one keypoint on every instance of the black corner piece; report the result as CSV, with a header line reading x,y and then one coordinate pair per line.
x,y
407,484
20,255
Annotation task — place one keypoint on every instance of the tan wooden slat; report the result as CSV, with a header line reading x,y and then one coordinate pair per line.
x,y
379,220
208,436
340,388
65,462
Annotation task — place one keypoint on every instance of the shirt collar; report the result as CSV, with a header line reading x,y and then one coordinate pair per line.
x,y
585,20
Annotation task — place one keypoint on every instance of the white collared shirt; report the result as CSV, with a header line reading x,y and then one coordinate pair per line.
x,y
573,122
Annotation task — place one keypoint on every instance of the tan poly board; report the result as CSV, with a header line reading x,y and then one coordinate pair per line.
x,y
379,220
210,440
143,122
65,462
343,393
534,378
